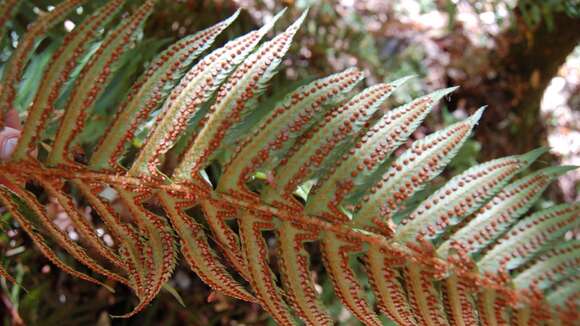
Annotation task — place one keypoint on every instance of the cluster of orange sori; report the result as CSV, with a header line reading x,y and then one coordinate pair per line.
x,y
425,303
91,82
384,278
186,98
497,215
63,62
149,92
237,94
306,157
472,186
538,228
281,128
295,268
424,160
18,60
369,151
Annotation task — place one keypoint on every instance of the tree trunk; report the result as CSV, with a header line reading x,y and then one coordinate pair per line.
x,y
513,81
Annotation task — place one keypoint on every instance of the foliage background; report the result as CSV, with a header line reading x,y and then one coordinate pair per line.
x,y
519,57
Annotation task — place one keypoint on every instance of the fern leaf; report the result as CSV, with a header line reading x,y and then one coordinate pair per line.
x,y
162,256
296,274
17,63
74,249
500,213
185,100
200,256
317,170
492,308
151,90
529,235
335,255
371,150
216,216
62,64
295,114
565,298
306,158
131,248
462,195
82,226
92,81
261,276
422,162
458,302
550,267
233,97
424,298
385,280
9,202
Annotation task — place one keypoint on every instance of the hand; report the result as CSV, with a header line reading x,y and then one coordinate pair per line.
x,y
9,135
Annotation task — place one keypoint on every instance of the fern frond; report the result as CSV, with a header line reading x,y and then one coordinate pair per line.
x,y
151,90
26,46
185,100
318,169
64,60
501,212
92,80
529,235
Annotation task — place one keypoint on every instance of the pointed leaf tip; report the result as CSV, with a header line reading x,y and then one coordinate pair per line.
x,y
296,25
533,155
402,80
303,16
233,17
474,119
439,94
556,171
267,26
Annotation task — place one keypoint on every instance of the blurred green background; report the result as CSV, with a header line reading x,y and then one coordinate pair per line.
x,y
519,57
